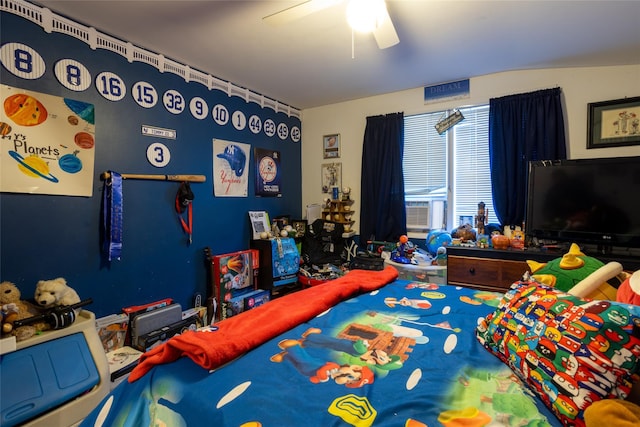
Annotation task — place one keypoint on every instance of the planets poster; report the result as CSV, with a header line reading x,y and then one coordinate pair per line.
x,y
47,144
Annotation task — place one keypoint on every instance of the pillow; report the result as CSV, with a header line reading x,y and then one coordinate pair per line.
x,y
571,352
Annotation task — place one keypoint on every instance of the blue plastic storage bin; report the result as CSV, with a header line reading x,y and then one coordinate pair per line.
x,y
41,377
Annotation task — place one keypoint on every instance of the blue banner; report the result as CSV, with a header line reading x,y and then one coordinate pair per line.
x,y
447,91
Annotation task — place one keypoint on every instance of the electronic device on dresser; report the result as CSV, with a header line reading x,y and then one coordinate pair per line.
x,y
592,202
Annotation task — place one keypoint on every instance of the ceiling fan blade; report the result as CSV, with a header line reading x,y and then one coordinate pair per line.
x,y
385,34
298,11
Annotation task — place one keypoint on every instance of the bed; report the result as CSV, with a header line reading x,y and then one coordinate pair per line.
x,y
371,350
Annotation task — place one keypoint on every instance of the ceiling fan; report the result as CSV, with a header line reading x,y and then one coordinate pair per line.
x,y
372,12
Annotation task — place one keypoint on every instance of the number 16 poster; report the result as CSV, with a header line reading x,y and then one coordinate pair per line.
x,y
47,144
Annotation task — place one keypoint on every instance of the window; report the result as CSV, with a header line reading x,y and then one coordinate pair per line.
x,y
446,176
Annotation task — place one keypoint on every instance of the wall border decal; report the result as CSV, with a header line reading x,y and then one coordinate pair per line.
x,y
51,22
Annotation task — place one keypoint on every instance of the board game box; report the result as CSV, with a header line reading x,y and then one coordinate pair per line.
x,y
234,274
244,302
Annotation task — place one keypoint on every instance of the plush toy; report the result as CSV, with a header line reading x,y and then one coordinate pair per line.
x,y
8,315
572,268
465,232
17,309
629,290
54,293
602,284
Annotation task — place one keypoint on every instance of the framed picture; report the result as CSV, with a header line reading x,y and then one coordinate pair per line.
x,y
259,223
331,146
281,221
331,176
300,225
614,123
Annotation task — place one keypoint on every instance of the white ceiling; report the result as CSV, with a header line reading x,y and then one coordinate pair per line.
x,y
308,62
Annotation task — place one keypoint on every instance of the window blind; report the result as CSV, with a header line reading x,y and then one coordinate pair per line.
x,y
425,155
471,169
426,163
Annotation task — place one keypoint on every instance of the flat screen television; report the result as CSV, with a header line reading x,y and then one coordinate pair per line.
x,y
591,201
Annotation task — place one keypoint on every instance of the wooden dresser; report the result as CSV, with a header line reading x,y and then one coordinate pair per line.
x,y
490,269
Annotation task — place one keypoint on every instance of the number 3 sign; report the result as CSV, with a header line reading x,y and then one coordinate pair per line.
x,y
158,155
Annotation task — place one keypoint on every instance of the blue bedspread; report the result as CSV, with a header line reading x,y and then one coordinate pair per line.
x,y
405,355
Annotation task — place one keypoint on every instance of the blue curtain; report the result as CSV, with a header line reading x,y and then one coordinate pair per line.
x,y
382,215
522,128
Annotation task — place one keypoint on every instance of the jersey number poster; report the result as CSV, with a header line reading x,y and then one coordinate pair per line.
x,y
267,172
48,144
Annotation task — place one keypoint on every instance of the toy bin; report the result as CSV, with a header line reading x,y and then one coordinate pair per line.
x,y
421,272
55,378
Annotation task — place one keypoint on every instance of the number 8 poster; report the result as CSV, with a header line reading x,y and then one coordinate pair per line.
x,y
47,144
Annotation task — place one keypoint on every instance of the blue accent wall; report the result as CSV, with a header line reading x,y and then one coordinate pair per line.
x,y
45,236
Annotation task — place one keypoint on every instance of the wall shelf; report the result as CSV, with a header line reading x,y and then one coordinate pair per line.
x,y
339,211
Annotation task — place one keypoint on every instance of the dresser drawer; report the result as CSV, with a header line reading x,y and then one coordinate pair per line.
x,y
483,273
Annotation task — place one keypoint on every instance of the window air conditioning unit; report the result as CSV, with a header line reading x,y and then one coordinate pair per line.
x,y
417,216
423,215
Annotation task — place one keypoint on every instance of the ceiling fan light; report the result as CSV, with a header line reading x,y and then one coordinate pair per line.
x,y
365,16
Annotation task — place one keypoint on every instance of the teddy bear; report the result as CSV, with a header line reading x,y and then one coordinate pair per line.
x,y
17,309
54,293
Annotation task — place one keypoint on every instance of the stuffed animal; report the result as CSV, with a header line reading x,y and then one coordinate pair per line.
x,y
572,268
565,272
18,309
54,293
465,232
629,290
602,284
8,315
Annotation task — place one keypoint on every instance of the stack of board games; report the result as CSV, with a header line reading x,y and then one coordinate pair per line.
x,y
234,283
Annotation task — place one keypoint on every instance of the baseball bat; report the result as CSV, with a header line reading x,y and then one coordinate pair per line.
x,y
180,178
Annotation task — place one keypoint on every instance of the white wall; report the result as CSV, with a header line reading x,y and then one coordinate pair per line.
x,y
580,86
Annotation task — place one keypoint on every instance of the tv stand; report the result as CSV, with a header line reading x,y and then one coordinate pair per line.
x,y
606,250
495,270
628,257
488,269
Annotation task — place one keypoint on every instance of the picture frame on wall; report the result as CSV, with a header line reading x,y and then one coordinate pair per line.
x,y
331,146
331,176
614,123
